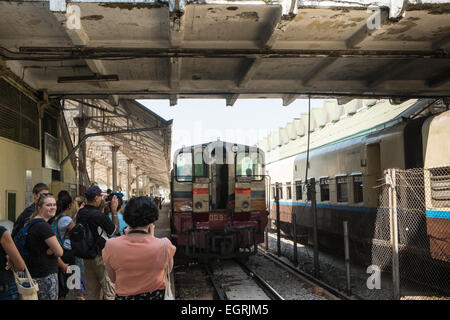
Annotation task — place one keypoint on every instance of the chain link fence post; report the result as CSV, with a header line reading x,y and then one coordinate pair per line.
x,y
390,180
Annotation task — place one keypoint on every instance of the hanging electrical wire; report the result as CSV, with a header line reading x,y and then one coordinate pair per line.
x,y
307,146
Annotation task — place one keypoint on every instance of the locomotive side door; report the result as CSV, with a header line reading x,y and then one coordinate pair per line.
x,y
200,187
219,179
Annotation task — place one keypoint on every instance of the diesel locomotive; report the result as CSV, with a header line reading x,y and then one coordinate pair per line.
x,y
218,200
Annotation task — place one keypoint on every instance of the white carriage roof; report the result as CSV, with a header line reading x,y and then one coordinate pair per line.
x,y
228,49
334,122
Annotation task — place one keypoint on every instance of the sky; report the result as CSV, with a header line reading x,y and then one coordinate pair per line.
x,y
198,121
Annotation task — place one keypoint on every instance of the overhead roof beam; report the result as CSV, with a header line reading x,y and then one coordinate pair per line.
x,y
289,98
177,23
318,70
250,68
387,72
79,37
152,146
174,73
173,99
115,132
231,99
441,43
439,80
281,18
113,100
369,27
342,101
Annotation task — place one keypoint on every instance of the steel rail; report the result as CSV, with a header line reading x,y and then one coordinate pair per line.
x,y
301,274
260,281
220,293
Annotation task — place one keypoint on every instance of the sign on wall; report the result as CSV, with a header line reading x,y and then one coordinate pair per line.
x,y
51,152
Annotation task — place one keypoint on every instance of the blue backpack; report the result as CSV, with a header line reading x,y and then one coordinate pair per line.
x,y
20,238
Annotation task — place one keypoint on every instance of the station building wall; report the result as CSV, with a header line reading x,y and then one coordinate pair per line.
x,y
20,152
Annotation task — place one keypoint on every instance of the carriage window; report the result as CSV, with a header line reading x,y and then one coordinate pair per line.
x,y
358,188
298,190
342,192
288,191
184,166
280,191
324,189
199,164
249,165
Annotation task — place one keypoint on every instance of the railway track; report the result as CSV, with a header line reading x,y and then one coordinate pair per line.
x,y
233,280
261,282
264,277
312,282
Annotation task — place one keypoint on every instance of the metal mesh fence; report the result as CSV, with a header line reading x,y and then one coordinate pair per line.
x,y
405,241
419,201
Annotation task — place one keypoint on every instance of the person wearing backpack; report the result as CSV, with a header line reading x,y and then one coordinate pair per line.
x,y
24,217
62,224
100,227
9,257
43,248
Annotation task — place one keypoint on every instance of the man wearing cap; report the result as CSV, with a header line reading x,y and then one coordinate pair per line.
x,y
98,284
24,217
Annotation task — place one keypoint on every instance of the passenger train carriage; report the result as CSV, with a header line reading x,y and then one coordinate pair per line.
x,y
348,175
218,198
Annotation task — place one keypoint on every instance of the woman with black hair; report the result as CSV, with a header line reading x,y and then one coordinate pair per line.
x,y
62,224
136,262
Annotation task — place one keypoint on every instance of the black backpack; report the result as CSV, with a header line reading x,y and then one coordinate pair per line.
x,y
82,241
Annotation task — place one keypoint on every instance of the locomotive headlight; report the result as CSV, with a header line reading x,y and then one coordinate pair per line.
x,y
245,204
198,205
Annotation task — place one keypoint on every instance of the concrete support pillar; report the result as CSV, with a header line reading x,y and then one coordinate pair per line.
x,y
93,170
120,182
82,122
129,161
146,185
114,150
137,181
108,178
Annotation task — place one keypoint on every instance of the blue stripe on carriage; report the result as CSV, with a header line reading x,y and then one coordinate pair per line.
x,y
438,214
328,206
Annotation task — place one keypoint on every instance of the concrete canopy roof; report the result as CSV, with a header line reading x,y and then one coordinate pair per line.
x,y
233,49
150,151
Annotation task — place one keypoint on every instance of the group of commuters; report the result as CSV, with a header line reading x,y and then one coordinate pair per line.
x,y
128,262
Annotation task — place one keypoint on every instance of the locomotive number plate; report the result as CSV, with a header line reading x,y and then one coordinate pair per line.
x,y
216,217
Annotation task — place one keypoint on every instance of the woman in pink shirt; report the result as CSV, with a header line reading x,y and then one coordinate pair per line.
x,y
136,262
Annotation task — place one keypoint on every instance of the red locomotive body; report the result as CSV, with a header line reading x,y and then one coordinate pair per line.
x,y
218,196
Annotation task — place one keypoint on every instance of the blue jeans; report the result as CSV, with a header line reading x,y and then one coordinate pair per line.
x,y
9,292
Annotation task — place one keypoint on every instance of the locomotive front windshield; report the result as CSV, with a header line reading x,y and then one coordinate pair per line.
x,y
184,166
249,165
185,163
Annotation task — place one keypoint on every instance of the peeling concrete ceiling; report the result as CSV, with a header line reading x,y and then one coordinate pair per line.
x,y
228,49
